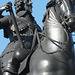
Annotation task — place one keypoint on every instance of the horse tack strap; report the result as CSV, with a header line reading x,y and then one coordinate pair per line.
x,y
63,43
54,42
34,39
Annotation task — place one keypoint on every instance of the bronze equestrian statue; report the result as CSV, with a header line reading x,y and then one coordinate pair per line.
x,y
55,53
13,54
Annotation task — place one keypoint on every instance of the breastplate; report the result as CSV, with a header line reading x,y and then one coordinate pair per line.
x,y
26,27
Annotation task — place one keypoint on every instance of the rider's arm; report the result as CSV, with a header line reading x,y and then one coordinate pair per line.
x,y
2,9
4,22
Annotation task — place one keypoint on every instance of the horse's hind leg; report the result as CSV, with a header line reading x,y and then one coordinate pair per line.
x,y
48,64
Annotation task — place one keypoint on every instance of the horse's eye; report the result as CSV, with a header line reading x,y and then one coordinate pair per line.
x,y
59,3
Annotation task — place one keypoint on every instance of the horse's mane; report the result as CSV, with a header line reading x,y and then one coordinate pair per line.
x,y
50,4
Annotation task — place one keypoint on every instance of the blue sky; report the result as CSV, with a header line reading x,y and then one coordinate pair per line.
x,y
39,9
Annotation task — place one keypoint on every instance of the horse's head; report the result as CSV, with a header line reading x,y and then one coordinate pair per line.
x,y
65,8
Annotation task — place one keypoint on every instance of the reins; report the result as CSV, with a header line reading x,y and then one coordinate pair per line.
x,y
36,36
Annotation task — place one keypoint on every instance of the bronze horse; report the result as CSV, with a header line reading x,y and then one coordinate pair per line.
x,y
54,54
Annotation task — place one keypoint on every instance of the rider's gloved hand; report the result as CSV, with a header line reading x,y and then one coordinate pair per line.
x,y
8,6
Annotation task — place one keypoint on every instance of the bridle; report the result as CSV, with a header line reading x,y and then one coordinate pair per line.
x,y
64,18
63,44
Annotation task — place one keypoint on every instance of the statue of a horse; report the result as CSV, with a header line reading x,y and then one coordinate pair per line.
x,y
55,53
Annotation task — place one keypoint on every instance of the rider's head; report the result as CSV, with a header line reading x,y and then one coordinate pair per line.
x,y
23,6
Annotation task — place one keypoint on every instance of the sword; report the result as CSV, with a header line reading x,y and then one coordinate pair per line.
x,y
16,27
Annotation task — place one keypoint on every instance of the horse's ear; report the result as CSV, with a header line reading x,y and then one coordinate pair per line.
x,y
50,4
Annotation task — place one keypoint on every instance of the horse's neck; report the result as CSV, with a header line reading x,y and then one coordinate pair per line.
x,y
52,25
53,14
52,18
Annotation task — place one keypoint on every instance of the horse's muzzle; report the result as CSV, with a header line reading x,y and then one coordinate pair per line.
x,y
70,21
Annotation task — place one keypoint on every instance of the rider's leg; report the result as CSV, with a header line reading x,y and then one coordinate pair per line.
x,y
48,64
12,64
11,58
7,67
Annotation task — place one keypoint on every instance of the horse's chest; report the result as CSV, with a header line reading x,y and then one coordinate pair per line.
x,y
56,39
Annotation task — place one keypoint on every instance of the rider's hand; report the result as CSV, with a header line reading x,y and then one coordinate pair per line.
x,y
8,6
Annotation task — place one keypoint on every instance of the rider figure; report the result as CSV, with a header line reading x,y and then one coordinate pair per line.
x,y
26,25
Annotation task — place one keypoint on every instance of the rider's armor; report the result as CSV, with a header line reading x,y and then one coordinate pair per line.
x,y
13,52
